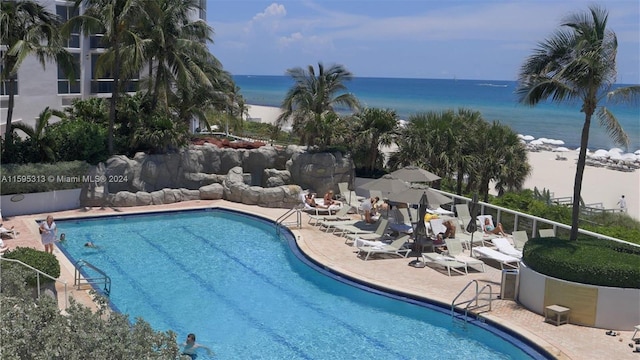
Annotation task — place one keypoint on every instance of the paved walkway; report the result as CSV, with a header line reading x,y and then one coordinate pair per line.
x,y
565,342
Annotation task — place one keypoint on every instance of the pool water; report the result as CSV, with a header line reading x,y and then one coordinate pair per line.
x,y
228,278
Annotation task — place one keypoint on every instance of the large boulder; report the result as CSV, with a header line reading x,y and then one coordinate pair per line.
x,y
320,171
211,192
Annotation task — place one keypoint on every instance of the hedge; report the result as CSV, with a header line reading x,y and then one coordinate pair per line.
x,y
43,261
34,178
590,261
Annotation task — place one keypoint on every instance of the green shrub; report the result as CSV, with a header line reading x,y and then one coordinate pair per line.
x,y
33,178
43,261
587,261
79,140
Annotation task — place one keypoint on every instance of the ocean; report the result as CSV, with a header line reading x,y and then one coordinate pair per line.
x,y
494,99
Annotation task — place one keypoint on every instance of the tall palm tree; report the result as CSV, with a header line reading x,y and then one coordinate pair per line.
x,y
311,96
37,133
175,47
27,28
375,127
115,20
578,62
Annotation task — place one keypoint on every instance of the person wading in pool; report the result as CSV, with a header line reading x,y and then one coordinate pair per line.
x,y
191,347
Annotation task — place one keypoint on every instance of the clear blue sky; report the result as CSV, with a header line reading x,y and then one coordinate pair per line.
x,y
474,39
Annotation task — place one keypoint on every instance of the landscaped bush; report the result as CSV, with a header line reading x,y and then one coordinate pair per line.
x,y
43,261
33,178
587,261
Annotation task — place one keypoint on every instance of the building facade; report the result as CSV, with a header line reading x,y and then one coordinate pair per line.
x,y
38,87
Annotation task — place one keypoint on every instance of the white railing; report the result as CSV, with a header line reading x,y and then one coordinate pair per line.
x,y
534,219
38,272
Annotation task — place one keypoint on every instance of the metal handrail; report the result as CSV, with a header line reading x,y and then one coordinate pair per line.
x,y
104,279
286,215
535,219
66,296
473,300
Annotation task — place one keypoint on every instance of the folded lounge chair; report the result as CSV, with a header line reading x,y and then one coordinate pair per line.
x,y
503,259
8,232
445,261
454,250
396,247
505,247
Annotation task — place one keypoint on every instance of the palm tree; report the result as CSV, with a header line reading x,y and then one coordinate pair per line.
x,y
115,20
27,28
175,47
312,96
578,62
37,133
375,127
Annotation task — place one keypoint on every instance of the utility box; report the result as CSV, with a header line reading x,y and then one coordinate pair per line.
x,y
510,283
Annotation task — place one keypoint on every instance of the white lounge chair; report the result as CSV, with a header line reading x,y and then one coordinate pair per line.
x,y
454,250
339,215
505,247
379,234
447,262
362,227
330,225
481,220
519,239
503,259
396,247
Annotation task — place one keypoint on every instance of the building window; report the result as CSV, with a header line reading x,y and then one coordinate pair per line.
x,y
4,83
65,86
203,10
65,13
96,42
104,83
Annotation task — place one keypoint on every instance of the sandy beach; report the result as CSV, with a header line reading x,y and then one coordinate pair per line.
x,y
600,185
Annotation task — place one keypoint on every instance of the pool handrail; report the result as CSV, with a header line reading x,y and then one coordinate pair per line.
x,y
38,272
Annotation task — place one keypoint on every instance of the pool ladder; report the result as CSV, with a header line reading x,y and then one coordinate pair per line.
x,y
281,220
471,305
101,279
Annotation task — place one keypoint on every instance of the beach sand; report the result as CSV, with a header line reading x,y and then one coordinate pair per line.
x,y
599,185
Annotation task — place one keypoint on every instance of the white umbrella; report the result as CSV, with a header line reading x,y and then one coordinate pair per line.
x,y
637,152
558,142
615,156
544,140
629,157
561,149
536,142
520,136
618,150
529,138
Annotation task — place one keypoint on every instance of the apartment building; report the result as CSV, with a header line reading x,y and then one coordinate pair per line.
x,y
38,88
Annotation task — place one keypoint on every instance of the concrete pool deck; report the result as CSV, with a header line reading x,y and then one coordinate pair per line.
x,y
564,342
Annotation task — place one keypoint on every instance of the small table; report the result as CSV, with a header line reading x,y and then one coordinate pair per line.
x,y
556,314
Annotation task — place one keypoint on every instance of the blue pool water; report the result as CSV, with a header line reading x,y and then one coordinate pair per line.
x,y
228,278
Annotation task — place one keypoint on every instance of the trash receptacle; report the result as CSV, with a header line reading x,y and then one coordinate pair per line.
x,y
509,286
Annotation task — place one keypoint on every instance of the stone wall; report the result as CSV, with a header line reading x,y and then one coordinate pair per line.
x,y
267,176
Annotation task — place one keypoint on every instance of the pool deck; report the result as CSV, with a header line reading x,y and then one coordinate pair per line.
x,y
564,342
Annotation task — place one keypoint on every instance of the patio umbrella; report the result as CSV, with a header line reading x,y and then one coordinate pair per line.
x,y
386,184
415,193
472,227
414,174
420,232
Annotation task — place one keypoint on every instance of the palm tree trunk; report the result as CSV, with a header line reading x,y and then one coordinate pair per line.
x,y
459,179
8,131
577,184
114,94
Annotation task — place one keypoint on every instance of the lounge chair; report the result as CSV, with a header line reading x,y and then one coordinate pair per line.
x,y
330,225
379,234
454,250
318,210
437,227
547,233
463,215
505,247
361,228
519,239
504,259
358,242
445,261
8,232
396,247
340,215
481,220
402,222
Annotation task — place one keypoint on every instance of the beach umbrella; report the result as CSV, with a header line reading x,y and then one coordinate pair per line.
x,y
415,193
618,150
414,174
637,152
528,137
561,149
520,136
386,184
420,233
536,142
558,142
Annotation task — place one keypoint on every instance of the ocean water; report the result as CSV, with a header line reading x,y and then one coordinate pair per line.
x,y
494,99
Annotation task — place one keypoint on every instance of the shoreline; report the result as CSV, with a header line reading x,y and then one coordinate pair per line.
x,y
599,185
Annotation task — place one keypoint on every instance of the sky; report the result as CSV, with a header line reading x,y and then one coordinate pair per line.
x,y
437,39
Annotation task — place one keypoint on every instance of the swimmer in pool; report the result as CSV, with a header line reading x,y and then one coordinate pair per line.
x,y
191,347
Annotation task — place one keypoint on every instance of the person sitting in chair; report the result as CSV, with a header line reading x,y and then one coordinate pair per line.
x,y
310,200
490,229
328,199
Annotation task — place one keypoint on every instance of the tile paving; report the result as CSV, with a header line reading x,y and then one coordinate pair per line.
x,y
392,272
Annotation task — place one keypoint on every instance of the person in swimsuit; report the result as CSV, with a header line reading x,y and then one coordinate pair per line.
x,y
190,347
490,229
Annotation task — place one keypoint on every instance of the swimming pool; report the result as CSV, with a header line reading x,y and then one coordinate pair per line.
x,y
228,278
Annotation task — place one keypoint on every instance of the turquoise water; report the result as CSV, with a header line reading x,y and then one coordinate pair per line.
x,y
494,99
230,280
